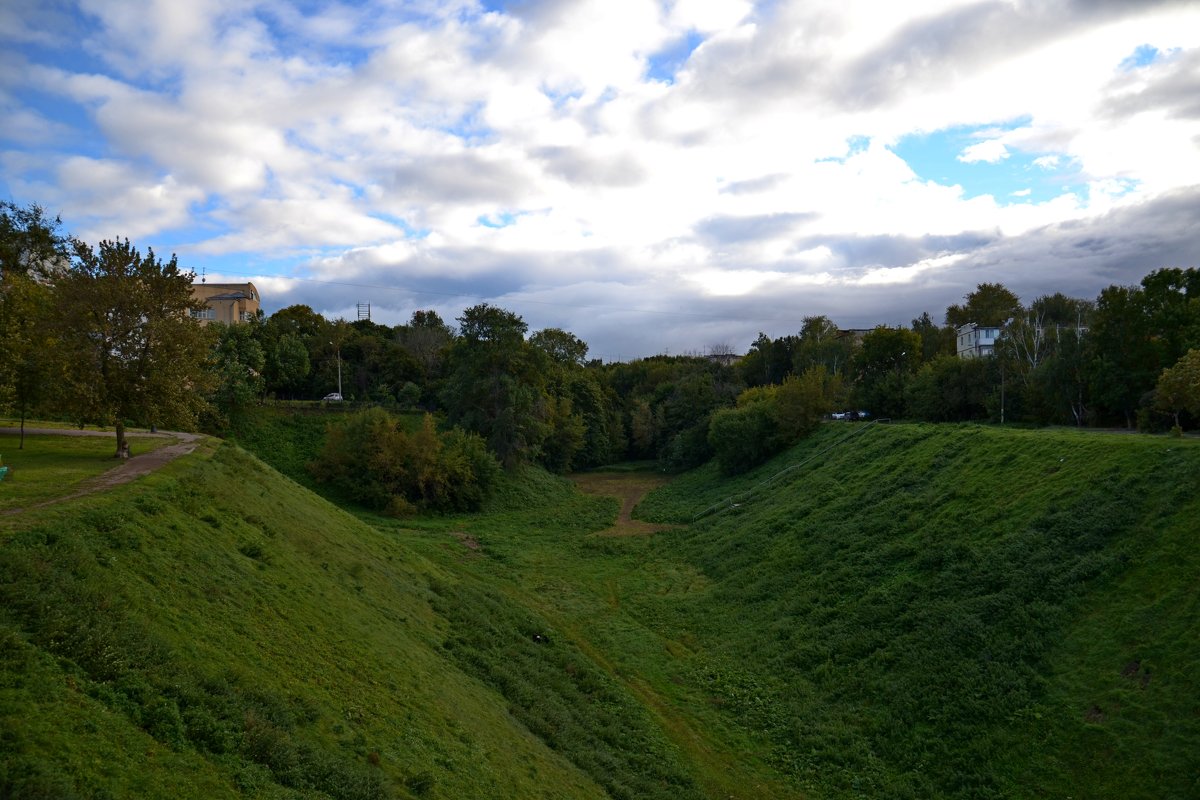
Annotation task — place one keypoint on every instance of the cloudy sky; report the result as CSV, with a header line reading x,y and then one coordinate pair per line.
x,y
656,176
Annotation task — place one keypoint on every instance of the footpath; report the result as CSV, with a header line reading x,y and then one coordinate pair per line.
x,y
126,471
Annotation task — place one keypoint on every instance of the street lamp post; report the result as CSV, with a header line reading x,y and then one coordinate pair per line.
x,y
338,351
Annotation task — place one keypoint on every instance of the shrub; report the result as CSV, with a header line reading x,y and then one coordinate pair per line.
x,y
375,462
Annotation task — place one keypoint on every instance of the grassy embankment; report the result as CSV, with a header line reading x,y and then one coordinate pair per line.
x,y
215,630
922,611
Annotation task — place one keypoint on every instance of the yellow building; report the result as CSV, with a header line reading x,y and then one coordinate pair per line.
x,y
225,302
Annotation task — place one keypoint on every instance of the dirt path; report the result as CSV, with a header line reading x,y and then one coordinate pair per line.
x,y
125,472
629,488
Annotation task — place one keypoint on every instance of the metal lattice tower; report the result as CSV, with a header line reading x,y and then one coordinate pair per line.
x,y
364,311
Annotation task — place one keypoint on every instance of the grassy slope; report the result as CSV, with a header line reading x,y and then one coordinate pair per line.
x,y
929,611
924,611
216,629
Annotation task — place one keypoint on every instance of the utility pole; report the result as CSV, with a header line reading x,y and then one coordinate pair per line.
x,y
338,350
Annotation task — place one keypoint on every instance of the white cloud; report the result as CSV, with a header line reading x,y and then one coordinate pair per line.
x,y
367,141
991,152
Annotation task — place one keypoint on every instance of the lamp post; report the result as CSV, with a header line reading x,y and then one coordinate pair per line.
x,y
338,350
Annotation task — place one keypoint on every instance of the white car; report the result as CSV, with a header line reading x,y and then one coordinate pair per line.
x,y
332,397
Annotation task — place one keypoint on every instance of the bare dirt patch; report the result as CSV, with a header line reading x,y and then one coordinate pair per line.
x,y
629,488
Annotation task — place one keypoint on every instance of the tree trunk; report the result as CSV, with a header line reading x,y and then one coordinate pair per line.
x,y
21,446
122,445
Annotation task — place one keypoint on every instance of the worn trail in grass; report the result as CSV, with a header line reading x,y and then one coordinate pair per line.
x,y
628,488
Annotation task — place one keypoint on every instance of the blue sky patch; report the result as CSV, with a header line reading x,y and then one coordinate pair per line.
x,y
854,146
663,65
409,231
1143,55
1020,177
501,220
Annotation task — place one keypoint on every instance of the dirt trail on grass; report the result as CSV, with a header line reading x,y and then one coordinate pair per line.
x,y
124,472
629,488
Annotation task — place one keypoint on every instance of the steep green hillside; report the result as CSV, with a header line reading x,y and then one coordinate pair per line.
x,y
216,630
914,611
925,611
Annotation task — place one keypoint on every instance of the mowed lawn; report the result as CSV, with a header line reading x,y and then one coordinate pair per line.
x,y
53,466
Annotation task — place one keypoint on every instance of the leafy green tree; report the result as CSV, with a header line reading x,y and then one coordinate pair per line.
x,y
883,365
1126,358
744,437
935,341
426,338
990,305
769,360
952,389
287,365
1171,303
287,373
371,459
496,383
28,363
1178,388
31,244
563,347
33,250
821,344
132,352
803,400
239,363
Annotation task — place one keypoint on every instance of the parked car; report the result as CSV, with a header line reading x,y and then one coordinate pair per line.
x,y
838,415
332,397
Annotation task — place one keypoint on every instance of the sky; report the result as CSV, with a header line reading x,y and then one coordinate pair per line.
x,y
657,176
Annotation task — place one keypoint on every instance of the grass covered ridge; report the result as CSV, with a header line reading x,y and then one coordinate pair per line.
x,y
954,611
215,630
916,611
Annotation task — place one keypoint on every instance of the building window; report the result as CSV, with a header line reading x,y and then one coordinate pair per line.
x,y
246,316
204,313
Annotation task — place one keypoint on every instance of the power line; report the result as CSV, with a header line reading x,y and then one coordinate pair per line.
x,y
554,304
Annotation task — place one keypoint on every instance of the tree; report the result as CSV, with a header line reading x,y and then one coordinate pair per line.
x,y
989,306
564,348
883,365
496,384
426,338
239,368
132,351
32,251
951,389
287,365
769,360
1178,387
1126,356
821,344
31,244
27,352
935,341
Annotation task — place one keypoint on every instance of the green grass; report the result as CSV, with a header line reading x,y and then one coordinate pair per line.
x,y
917,611
215,629
948,611
53,466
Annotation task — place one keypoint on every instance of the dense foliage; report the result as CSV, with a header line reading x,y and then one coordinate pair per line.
x,y
124,351
372,459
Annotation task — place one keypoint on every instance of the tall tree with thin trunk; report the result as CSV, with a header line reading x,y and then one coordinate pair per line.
x,y
131,351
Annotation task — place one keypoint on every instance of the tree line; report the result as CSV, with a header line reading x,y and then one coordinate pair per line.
x,y
105,335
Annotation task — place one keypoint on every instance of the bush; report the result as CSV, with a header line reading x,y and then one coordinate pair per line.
x,y
742,438
375,462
